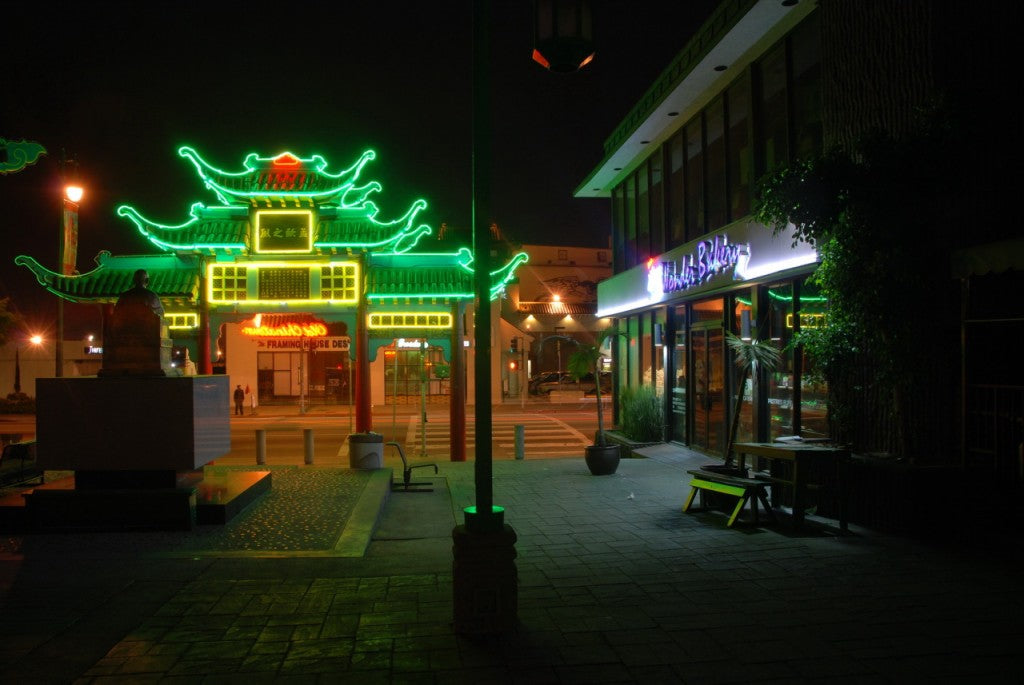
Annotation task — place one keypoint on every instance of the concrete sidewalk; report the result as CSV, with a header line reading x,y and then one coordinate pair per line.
x,y
616,584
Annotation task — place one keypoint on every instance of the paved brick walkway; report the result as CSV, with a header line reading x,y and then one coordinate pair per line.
x,y
615,585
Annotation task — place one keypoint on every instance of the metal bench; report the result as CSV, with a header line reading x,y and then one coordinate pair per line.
x,y
24,453
744,489
404,486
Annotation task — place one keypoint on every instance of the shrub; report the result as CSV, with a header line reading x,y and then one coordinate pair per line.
x,y
640,414
17,403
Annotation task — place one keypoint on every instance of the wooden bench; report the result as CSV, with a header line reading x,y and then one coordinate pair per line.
x,y
744,489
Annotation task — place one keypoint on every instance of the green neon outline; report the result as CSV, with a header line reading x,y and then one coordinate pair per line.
x,y
142,222
252,165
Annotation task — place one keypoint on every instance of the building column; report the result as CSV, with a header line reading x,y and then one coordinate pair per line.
x,y
364,414
203,310
457,386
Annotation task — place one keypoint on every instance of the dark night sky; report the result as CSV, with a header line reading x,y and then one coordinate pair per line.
x,y
122,85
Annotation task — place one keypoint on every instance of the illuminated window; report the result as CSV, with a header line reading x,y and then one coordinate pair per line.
x,y
228,283
411,320
338,282
179,320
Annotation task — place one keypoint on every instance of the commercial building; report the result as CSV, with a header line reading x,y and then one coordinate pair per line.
x,y
762,84
690,264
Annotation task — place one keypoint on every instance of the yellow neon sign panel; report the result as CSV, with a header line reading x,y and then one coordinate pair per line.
x,y
284,230
410,320
240,282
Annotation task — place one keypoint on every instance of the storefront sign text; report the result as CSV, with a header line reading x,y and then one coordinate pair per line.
x,y
709,258
333,344
288,330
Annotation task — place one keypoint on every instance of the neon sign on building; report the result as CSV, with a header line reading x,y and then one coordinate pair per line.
x,y
708,259
288,330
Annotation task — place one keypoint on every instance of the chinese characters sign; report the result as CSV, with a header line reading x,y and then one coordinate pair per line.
x,y
284,231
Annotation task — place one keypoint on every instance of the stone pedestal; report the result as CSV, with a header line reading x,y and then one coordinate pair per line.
x,y
132,423
137,445
485,583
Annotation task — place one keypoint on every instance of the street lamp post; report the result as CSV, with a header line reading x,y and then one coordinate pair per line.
x,y
67,252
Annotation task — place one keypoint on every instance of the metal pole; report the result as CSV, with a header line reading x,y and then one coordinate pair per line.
x,y
307,440
394,399
423,398
261,446
484,517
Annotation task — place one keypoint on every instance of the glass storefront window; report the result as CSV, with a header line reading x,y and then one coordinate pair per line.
x,y
709,310
659,352
657,204
679,365
742,313
714,153
694,195
806,67
774,111
740,160
643,223
677,231
813,390
645,349
780,383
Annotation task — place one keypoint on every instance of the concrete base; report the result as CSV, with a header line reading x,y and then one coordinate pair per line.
x,y
485,583
132,423
197,497
222,495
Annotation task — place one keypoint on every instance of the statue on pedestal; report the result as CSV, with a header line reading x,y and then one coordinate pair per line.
x,y
133,342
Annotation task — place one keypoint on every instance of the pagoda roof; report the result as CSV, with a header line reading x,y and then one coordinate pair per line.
x,y
284,179
226,230
173,278
425,276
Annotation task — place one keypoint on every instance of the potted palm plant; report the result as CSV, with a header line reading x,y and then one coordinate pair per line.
x,y
750,356
602,458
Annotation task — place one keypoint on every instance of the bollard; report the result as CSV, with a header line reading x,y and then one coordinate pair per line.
x,y
261,446
520,441
307,439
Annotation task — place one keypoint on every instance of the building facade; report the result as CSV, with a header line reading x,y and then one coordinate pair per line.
x,y
690,263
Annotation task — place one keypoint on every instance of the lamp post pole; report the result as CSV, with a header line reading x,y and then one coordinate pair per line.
x,y
67,250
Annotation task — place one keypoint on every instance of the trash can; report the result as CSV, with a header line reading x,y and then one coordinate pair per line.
x,y
366,450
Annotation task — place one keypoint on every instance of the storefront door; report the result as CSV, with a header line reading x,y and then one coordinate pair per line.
x,y
679,388
706,344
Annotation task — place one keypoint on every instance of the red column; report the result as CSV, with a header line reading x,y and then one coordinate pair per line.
x,y
205,365
457,387
364,414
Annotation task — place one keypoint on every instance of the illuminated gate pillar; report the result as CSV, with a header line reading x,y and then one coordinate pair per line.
x,y
364,417
457,388
205,362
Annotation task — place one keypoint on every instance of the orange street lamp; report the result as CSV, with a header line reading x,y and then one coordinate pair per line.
x,y
67,253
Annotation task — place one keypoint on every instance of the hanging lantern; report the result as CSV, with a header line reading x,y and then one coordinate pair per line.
x,y
563,37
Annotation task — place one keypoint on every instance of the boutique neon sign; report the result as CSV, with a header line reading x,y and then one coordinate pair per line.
x,y
708,259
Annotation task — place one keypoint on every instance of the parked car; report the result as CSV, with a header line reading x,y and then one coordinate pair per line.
x,y
544,383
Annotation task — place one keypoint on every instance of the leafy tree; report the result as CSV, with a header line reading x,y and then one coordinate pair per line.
x,y
882,218
9,321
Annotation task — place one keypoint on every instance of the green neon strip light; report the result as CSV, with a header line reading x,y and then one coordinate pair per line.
x,y
143,224
254,164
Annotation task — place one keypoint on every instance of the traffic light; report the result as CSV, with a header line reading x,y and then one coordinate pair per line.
x,y
515,345
513,365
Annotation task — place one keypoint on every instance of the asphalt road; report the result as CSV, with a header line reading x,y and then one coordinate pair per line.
x,y
551,430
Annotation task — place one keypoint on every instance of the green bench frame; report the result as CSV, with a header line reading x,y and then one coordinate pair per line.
x,y
744,489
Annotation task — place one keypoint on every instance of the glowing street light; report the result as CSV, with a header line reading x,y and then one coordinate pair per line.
x,y
67,253
35,340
